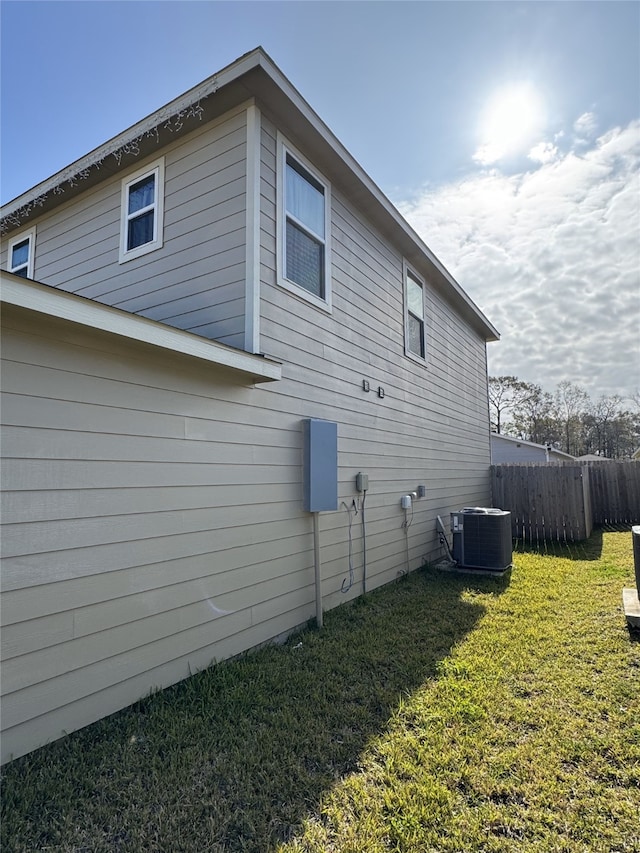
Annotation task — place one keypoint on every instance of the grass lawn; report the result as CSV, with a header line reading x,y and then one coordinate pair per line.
x,y
442,713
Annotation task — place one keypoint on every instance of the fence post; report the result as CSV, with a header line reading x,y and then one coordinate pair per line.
x,y
586,500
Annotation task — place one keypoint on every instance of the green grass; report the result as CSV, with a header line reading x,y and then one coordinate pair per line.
x,y
442,713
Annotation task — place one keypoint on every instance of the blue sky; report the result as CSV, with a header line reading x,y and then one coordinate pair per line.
x,y
507,133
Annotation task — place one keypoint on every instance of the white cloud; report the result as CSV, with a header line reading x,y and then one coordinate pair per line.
x,y
585,127
489,152
543,152
552,256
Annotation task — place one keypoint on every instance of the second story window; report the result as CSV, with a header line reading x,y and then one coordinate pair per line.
x,y
21,254
304,217
305,238
142,212
414,316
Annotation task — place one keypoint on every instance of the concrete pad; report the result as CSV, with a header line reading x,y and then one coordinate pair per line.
x,y
631,605
447,565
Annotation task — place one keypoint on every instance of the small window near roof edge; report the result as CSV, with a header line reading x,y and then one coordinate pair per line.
x,y
304,203
142,211
415,344
20,260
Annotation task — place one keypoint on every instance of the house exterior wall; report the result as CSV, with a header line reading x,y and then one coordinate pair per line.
x,y
196,280
151,523
430,428
509,449
153,506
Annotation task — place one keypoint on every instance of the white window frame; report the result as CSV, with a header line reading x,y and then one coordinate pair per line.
x,y
286,149
29,236
157,170
409,272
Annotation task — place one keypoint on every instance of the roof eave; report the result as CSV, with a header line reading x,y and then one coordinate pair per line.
x,y
177,117
52,302
362,188
252,75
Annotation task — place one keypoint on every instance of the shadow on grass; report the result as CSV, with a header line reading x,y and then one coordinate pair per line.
x,y
235,757
589,549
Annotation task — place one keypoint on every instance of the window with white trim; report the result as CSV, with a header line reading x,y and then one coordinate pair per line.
x,y
142,212
21,254
414,292
304,202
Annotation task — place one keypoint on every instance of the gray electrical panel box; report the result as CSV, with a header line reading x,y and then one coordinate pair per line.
x,y
320,466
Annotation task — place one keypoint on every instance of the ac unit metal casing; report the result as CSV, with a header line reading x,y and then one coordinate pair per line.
x,y
482,538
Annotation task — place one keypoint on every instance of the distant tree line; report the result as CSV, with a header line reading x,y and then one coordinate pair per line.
x,y
568,419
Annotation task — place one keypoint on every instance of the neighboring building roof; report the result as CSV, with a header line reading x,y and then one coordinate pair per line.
x,y
53,302
252,76
543,450
593,457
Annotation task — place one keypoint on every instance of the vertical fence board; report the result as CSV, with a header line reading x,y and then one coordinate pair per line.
x,y
588,503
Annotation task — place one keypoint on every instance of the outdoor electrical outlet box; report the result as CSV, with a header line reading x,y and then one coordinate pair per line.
x,y
320,466
422,491
362,482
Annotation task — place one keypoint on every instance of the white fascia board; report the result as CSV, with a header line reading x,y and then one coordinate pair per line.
x,y
52,302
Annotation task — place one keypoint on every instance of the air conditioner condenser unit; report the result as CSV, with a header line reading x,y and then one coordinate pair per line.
x,y
482,538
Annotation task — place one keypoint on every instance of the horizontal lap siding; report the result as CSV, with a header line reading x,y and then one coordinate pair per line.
x,y
430,428
153,507
196,280
151,523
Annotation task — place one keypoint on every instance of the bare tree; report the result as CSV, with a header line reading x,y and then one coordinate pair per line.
x,y
571,402
533,419
567,419
610,431
506,394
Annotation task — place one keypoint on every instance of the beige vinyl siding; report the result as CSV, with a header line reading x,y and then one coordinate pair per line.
x,y
151,522
196,280
430,428
152,505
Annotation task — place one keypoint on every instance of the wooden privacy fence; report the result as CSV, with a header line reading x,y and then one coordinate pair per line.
x,y
615,492
563,500
546,501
